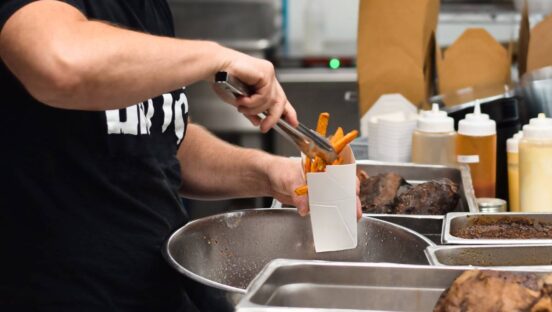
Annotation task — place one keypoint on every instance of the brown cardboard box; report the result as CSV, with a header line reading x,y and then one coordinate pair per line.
x,y
474,59
394,49
540,45
535,45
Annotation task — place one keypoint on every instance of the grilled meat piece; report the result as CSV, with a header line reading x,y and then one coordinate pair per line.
x,y
494,291
390,193
378,193
436,197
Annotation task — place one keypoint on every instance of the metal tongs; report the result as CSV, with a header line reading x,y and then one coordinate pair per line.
x,y
306,140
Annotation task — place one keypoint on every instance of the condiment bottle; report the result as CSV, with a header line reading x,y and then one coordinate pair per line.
x,y
434,140
512,152
476,146
535,166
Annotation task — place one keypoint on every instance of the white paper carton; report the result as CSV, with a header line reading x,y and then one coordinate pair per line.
x,y
332,201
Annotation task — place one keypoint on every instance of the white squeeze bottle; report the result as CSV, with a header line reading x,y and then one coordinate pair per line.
x,y
434,140
535,166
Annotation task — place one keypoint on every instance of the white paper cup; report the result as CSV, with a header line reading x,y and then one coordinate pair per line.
x,y
332,201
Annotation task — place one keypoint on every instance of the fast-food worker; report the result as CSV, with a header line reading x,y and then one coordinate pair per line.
x,y
97,149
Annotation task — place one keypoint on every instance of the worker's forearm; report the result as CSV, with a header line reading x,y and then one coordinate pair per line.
x,y
213,169
81,64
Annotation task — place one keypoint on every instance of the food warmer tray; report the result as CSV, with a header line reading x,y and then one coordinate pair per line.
x,y
531,257
457,220
428,225
298,285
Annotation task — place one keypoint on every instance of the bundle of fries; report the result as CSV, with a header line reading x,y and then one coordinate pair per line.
x,y
338,140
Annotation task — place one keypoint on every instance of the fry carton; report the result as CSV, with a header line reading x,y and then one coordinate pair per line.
x,y
332,200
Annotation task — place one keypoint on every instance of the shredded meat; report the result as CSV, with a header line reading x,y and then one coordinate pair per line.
x,y
494,291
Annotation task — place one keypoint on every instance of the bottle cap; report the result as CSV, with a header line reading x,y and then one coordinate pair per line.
x,y
435,121
538,128
491,205
512,144
477,124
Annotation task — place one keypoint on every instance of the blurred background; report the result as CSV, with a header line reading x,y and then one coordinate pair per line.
x,y
313,44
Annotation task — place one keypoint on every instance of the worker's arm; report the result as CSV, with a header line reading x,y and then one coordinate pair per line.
x,y
214,169
67,61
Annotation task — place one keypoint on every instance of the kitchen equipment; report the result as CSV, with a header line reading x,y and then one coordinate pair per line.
x,y
221,254
427,225
306,140
290,285
318,90
476,147
455,221
535,152
537,257
251,26
536,89
434,140
543,7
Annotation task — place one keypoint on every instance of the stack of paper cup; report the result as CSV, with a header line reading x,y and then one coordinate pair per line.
x,y
390,137
373,138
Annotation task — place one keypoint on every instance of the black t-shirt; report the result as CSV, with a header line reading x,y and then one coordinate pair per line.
x,y
88,198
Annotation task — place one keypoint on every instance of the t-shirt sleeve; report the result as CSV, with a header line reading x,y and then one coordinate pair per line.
x,y
9,7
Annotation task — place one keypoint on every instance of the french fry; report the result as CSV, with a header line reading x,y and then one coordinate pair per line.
x,y
322,125
318,165
307,165
348,138
338,161
302,190
338,135
313,165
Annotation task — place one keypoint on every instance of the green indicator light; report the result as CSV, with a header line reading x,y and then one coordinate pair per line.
x,y
334,63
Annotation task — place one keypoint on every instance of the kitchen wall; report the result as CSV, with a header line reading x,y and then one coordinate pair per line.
x,y
501,20
341,19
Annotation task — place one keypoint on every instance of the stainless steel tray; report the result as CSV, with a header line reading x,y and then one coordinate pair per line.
x,y
532,257
291,285
428,225
456,220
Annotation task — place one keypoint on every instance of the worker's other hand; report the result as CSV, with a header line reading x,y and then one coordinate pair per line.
x,y
285,176
268,94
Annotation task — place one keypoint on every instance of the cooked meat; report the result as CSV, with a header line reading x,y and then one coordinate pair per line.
x,y
378,193
494,291
390,193
505,228
436,197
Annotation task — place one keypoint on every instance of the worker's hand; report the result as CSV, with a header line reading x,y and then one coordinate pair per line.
x,y
285,176
268,93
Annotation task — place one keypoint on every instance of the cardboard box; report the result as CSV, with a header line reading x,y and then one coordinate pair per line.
x,y
474,59
395,48
535,45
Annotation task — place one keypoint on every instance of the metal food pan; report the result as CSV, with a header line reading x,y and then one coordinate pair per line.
x,y
458,220
428,225
507,256
295,285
